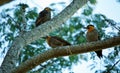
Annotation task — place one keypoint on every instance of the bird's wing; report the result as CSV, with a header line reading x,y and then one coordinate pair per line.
x,y
97,34
41,17
38,20
61,40
92,36
43,13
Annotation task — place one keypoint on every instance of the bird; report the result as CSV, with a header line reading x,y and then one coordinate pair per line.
x,y
93,35
44,16
55,41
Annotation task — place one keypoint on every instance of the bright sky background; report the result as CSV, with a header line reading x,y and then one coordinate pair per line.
x,y
110,8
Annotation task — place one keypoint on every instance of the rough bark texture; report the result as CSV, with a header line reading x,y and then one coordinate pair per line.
x,y
2,2
28,37
64,51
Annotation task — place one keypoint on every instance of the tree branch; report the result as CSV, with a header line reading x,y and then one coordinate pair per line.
x,y
63,51
44,29
2,2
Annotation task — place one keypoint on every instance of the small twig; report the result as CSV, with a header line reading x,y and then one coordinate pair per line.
x,y
17,24
113,66
112,23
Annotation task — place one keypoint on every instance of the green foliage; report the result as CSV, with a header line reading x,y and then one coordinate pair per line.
x,y
87,11
72,30
31,14
93,1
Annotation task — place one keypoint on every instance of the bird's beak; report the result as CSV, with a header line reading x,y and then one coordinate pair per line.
x,y
44,37
52,10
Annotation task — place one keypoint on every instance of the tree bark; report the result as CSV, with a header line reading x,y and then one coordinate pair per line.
x,y
28,37
64,51
2,2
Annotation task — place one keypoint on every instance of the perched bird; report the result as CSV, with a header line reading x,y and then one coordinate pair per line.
x,y
92,35
44,16
54,41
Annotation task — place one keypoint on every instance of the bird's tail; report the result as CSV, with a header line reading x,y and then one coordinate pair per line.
x,y
99,54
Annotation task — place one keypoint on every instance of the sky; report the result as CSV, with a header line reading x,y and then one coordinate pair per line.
x,y
110,8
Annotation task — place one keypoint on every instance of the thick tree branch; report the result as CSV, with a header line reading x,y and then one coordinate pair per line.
x,y
11,57
63,51
2,2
